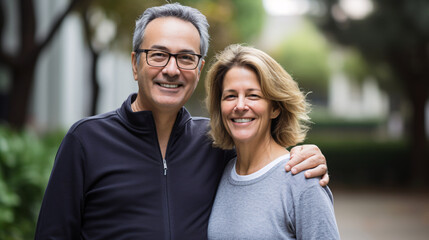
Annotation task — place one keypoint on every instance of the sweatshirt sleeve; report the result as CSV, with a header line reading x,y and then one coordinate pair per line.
x,y
61,210
314,214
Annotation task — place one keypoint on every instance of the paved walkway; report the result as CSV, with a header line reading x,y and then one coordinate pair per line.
x,y
381,215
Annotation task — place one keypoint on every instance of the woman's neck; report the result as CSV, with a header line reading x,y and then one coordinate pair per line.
x,y
252,157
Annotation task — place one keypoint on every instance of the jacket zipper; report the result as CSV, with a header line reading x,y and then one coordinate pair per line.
x,y
165,168
165,190
164,162
167,208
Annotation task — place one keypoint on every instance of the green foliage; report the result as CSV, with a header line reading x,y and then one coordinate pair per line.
x,y
394,38
248,19
364,161
305,56
359,153
231,21
355,66
25,165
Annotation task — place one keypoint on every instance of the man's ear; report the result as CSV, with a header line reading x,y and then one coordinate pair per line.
x,y
134,65
200,69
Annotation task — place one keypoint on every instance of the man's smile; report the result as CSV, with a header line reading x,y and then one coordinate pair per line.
x,y
166,85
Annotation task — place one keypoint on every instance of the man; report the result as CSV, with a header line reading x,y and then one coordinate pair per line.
x,y
146,170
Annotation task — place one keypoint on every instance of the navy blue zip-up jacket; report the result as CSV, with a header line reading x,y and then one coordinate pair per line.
x,y
109,180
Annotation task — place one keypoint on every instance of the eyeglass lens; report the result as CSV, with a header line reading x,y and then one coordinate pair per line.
x,y
160,59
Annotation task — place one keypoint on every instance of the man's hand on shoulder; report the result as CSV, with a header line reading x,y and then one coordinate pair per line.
x,y
310,157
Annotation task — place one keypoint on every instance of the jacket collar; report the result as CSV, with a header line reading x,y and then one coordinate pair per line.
x,y
143,120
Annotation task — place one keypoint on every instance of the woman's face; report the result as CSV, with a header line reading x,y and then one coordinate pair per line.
x,y
246,114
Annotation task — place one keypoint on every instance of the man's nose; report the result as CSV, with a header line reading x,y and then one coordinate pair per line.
x,y
171,68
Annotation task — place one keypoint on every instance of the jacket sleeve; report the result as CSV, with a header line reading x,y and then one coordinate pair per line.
x,y
61,211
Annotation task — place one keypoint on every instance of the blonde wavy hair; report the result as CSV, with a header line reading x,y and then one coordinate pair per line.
x,y
290,127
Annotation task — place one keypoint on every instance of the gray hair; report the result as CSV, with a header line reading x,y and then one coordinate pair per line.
x,y
185,13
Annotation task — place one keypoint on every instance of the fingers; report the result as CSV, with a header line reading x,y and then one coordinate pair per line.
x,y
295,152
318,171
325,180
312,164
300,163
308,157
303,152
295,157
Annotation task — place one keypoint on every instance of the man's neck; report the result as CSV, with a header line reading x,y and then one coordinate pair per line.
x,y
164,122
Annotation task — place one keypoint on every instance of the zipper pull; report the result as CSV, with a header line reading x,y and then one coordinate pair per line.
x,y
165,166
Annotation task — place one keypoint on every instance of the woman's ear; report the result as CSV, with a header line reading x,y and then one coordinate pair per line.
x,y
275,111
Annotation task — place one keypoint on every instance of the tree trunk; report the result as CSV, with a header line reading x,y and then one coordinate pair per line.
x,y
410,66
94,83
94,61
22,65
418,95
20,94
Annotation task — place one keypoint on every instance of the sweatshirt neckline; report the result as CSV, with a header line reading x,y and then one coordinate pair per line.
x,y
258,174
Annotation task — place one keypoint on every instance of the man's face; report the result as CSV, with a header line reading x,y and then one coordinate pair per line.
x,y
167,88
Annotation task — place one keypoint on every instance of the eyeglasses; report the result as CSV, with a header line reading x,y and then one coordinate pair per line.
x,y
159,58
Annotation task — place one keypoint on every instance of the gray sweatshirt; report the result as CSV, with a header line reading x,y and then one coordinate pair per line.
x,y
271,204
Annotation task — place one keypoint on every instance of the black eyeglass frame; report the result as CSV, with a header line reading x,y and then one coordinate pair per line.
x,y
169,57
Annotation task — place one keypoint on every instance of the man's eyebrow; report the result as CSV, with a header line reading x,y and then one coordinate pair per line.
x,y
159,47
163,48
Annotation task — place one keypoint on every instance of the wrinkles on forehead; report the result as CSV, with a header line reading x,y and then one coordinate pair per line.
x,y
173,35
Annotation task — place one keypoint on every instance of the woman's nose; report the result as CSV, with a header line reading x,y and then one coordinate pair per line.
x,y
241,105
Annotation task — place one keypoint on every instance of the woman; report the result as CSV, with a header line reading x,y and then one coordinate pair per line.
x,y
256,107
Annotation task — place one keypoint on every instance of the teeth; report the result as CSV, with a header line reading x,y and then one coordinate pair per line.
x,y
241,120
169,85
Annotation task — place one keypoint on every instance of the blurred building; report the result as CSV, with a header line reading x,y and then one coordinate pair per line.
x,y
62,83
347,99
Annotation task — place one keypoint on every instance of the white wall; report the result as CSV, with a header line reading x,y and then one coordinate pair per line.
x,y
62,84
349,99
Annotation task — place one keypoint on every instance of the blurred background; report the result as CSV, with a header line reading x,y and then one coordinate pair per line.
x,y
364,63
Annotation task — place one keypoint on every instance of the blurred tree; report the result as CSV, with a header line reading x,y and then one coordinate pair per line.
x,y
230,21
395,38
119,17
305,56
355,66
21,65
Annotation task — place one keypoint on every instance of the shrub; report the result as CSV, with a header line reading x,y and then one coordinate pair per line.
x,y
25,164
364,161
